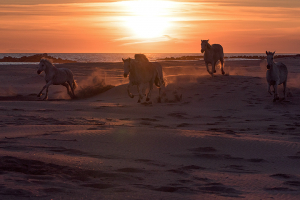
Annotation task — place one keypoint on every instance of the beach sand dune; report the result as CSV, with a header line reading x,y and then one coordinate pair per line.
x,y
217,137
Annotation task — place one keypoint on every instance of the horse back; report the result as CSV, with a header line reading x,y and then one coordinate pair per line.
x,y
218,49
283,72
142,72
62,75
159,78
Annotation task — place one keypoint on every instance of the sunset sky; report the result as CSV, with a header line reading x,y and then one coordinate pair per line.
x,y
148,26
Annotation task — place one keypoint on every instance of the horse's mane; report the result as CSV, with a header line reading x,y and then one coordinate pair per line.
x,y
141,58
207,43
47,60
49,63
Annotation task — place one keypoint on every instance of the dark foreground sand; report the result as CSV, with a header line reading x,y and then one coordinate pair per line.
x,y
225,139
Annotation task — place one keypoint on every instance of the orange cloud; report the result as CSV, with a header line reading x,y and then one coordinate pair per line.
x,y
105,27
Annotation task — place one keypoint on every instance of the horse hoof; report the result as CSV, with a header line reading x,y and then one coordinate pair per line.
x,y
39,95
147,99
159,100
275,99
139,101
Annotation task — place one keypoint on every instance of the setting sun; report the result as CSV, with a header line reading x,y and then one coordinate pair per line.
x,y
114,26
149,18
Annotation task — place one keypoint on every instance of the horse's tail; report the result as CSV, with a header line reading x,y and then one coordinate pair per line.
x,y
159,79
74,84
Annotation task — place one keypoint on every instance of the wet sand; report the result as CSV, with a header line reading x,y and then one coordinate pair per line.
x,y
224,139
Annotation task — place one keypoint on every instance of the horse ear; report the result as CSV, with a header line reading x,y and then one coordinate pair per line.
x,y
267,52
123,59
274,52
208,40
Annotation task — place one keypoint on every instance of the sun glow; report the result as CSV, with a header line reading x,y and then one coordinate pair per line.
x,y
148,18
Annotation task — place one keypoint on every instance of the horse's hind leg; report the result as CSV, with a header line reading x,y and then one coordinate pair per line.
x,y
72,89
284,90
140,95
222,66
128,91
68,90
159,96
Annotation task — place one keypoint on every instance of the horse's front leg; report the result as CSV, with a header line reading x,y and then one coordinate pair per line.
x,y
269,88
128,91
150,90
276,97
206,64
45,86
140,95
40,94
208,69
213,67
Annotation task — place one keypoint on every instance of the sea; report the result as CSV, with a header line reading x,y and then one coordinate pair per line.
x,y
117,57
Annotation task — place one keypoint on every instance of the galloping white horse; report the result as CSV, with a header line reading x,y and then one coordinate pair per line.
x,y
212,53
276,75
141,71
56,76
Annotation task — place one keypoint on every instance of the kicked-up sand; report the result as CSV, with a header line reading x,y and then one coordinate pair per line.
x,y
218,137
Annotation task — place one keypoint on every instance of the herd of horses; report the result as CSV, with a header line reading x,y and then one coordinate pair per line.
x,y
142,73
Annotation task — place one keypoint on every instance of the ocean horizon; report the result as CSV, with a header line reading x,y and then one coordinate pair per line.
x,y
117,57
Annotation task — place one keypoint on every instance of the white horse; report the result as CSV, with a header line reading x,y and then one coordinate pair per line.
x,y
276,75
212,54
141,71
56,76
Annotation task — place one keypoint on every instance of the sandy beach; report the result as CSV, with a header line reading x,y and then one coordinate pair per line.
x,y
224,139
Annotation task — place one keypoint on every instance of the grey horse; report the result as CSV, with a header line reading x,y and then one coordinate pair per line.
x,y
212,54
276,75
56,76
141,72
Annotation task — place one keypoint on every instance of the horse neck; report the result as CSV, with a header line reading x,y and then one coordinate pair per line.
x,y
208,46
50,68
132,69
273,69
208,52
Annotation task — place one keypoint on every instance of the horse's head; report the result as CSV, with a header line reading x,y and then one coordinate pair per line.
x,y
270,58
126,66
42,66
204,45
